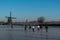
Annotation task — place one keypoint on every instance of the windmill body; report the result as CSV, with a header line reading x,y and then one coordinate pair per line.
x,y
9,22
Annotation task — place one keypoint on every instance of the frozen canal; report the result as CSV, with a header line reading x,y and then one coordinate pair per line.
x,y
18,33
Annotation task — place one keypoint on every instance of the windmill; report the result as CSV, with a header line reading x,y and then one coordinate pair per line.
x,y
9,22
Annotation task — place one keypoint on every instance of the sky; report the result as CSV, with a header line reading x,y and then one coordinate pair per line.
x,y
30,9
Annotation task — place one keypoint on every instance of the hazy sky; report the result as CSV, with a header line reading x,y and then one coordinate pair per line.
x,y
50,9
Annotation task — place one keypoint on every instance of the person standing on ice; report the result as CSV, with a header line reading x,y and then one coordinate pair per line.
x,y
46,27
38,27
33,28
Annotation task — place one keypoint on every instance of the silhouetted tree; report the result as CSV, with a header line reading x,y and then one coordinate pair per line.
x,y
41,19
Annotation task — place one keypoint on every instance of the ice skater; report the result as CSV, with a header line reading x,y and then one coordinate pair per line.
x,y
29,27
38,28
33,28
25,27
46,27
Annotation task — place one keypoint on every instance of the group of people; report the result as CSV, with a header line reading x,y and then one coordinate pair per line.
x,y
38,28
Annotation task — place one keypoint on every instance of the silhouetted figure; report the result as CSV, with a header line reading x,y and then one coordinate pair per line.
x,y
33,28
38,27
46,27
29,27
25,27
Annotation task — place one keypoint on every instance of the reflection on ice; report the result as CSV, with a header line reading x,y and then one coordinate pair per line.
x,y
18,33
